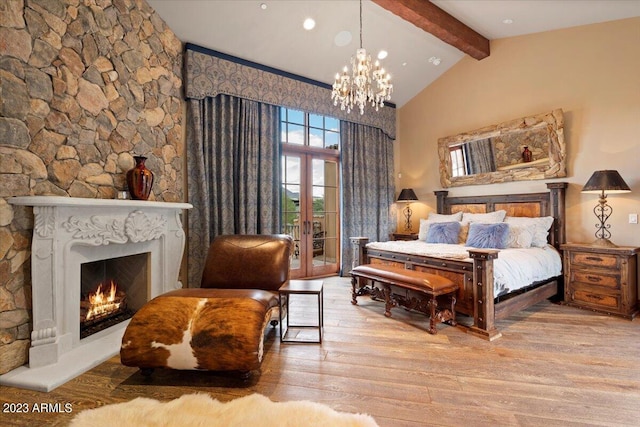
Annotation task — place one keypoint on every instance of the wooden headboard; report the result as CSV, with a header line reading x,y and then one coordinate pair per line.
x,y
529,204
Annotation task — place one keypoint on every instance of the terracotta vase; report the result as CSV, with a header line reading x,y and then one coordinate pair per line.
x,y
140,180
526,154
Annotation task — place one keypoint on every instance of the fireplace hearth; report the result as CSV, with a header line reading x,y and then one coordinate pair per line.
x,y
73,240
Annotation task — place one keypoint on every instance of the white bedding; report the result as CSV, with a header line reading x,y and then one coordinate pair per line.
x,y
512,270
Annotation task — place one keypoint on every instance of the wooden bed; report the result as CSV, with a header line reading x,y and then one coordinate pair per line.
x,y
475,278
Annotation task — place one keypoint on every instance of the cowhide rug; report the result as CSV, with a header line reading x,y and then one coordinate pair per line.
x,y
195,410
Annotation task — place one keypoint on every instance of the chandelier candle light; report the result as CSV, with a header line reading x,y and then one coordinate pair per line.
x,y
365,84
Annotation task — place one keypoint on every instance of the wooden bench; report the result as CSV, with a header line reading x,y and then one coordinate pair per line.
x,y
415,290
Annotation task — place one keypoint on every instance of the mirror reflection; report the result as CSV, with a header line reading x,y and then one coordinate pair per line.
x,y
523,149
502,152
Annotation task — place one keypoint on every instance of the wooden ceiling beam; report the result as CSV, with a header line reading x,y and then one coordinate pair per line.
x,y
432,19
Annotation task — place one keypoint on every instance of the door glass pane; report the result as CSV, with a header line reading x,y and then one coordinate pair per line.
x,y
290,209
324,188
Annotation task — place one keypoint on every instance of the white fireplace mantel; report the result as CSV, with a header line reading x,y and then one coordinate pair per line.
x,y
71,231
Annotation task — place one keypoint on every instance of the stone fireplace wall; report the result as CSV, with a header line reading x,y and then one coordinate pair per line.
x,y
84,86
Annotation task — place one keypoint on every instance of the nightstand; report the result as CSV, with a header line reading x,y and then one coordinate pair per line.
x,y
601,279
404,236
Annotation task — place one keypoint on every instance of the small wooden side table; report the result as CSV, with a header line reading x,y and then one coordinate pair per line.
x,y
601,278
300,287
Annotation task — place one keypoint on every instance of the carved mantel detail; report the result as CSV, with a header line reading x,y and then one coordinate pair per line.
x,y
102,230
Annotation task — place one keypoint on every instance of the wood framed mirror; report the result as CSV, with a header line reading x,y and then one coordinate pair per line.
x,y
528,148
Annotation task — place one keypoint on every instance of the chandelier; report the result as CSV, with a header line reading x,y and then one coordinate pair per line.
x,y
366,84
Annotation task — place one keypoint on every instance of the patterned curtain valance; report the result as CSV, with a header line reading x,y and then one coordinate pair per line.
x,y
209,73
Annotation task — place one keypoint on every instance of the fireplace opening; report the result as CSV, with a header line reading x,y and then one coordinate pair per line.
x,y
111,291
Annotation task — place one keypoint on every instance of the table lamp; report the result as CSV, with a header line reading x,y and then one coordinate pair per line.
x,y
604,182
407,195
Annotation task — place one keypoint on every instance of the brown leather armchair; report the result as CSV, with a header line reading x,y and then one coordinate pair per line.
x,y
221,325
248,262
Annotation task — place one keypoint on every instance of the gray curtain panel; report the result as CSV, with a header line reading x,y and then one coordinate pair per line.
x,y
480,156
233,174
368,186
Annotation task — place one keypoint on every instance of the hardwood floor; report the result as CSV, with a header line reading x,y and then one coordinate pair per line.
x,y
553,366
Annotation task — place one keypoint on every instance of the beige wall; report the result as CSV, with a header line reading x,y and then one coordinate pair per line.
x,y
592,72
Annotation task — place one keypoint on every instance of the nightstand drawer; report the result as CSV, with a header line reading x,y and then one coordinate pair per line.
x,y
594,260
596,300
591,278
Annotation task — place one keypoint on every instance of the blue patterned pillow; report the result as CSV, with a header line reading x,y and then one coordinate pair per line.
x,y
443,232
488,236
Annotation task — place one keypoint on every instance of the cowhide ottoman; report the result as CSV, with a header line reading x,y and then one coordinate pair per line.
x,y
209,329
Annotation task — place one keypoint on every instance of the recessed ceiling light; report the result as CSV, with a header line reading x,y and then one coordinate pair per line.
x,y
382,54
404,64
263,6
309,24
435,60
343,38
507,21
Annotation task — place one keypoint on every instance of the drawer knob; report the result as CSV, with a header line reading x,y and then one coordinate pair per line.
x,y
594,278
595,297
594,258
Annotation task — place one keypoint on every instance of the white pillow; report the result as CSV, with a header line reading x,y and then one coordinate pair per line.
x,y
486,218
540,227
519,236
436,217
424,229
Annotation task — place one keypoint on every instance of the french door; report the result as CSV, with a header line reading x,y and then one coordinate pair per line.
x,y
310,213
310,192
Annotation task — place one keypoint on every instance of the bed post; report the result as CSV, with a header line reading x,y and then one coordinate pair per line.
x,y
483,303
357,250
441,196
557,207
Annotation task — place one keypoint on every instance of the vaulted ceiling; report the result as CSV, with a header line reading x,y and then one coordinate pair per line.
x,y
423,39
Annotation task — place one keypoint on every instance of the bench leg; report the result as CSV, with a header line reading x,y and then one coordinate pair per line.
x,y
452,321
389,301
433,305
354,294
445,315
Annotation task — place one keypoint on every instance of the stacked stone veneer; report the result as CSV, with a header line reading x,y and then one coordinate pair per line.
x,y
85,85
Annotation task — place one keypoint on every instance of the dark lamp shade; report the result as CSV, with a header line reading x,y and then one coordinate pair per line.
x,y
606,181
407,195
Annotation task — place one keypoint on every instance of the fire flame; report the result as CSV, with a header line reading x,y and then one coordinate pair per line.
x,y
103,302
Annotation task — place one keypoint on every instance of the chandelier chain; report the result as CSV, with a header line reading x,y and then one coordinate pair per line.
x,y
360,24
